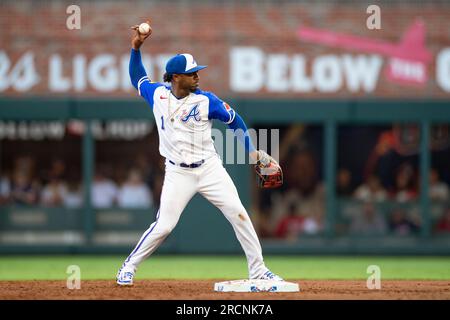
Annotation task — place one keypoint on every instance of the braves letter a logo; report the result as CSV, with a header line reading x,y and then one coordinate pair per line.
x,y
194,113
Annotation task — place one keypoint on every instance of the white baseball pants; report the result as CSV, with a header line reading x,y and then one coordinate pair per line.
x,y
213,182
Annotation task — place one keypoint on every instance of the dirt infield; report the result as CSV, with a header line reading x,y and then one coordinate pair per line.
x,y
203,290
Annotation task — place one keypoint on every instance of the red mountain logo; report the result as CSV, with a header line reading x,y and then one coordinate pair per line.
x,y
162,97
408,59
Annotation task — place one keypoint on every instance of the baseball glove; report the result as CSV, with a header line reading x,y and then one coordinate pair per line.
x,y
268,172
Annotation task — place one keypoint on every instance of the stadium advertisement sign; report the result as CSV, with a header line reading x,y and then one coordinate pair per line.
x,y
320,63
408,61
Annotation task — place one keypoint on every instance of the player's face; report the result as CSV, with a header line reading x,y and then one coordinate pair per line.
x,y
189,81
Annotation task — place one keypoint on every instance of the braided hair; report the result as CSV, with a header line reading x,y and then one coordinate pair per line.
x,y
167,77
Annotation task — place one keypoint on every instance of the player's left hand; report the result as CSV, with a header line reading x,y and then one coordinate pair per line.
x,y
268,171
264,159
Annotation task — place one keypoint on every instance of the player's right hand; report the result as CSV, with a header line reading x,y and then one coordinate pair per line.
x,y
137,39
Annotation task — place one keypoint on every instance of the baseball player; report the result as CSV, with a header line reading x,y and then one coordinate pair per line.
x,y
184,115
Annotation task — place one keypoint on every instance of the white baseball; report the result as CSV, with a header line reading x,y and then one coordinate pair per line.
x,y
144,28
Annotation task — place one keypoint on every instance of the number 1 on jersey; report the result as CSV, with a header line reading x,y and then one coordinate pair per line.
x,y
162,122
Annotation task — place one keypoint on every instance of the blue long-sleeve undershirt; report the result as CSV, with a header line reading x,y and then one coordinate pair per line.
x,y
136,68
242,134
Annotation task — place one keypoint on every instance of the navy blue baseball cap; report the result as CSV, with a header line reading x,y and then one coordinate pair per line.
x,y
182,63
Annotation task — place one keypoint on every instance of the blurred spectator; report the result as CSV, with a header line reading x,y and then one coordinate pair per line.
x,y
438,189
302,174
23,190
294,137
303,190
104,191
313,224
57,169
54,193
143,164
405,184
291,225
264,221
369,221
443,225
344,183
371,190
394,145
5,189
120,173
134,193
26,165
399,223
73,197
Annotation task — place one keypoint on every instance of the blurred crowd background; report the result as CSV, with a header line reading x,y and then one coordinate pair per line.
x,y
377,179
301,67
377,182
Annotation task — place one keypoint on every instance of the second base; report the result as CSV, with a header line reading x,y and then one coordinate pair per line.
x,y
256,286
